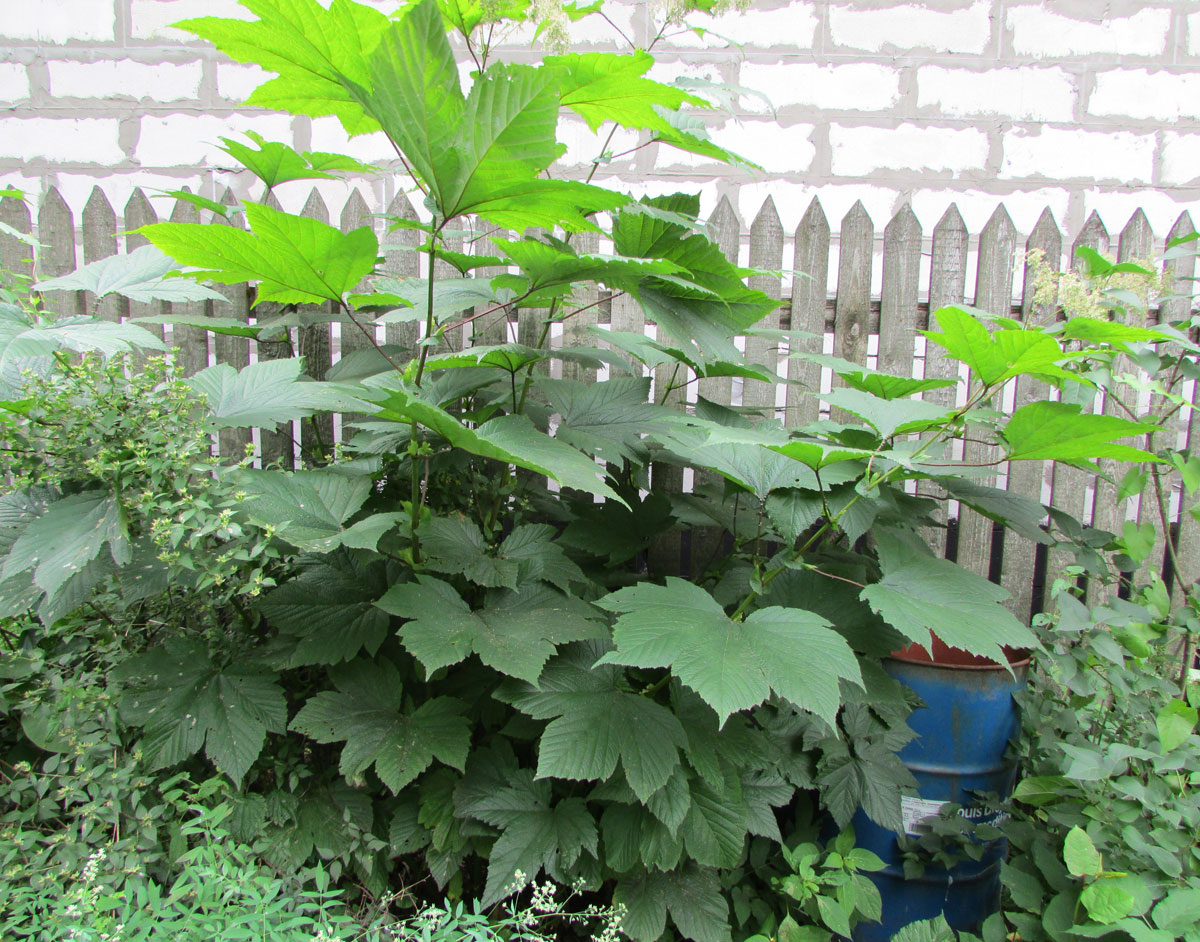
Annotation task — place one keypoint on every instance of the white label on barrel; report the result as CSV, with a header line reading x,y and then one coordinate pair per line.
x,y
915,811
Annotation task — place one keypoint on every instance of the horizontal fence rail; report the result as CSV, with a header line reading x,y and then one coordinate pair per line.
x,y
875,324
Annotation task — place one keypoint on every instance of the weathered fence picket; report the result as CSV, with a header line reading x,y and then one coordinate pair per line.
x,y
843,323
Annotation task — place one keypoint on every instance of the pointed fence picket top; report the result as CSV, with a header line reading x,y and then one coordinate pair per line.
x,y
1027,477
356,215
277,446
808,313
852,310
1136,244
315,344
400,260
100,241
16,256
56,233
993,293
947,287
766,253
1093,235
899,317
227,348
724,229
140,212
192,342
1137,239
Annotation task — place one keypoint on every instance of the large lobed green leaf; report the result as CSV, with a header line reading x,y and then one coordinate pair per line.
x,y
731,665
1000,355
60,542
294,259
920,594
515,634
366,712
184,701
327,613
597,721
266,393
484,153
1059,431
139,275
313,50
534,834
512,439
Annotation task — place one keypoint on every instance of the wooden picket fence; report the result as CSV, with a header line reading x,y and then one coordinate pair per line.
x,y
876,325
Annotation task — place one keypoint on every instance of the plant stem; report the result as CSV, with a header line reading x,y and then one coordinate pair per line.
x,y
429,325
880,478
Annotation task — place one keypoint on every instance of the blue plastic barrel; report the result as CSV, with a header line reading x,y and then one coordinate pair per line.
x,y
962,737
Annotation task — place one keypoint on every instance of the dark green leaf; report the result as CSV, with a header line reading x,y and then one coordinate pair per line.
x,y
266,393
328,611
691,894
366,713
732,665
534,835
597,721
514,638
512,439
185,701
920,594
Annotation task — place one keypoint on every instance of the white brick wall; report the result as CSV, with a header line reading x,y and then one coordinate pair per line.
x,y
854,87
14,82
1181,159
863,151
793,26
58,21
124,79
1039,32
1072,104
236,82
1026,94
911,26
61,140
328,136
187,139
776,149
1138,93
152,19
1121,157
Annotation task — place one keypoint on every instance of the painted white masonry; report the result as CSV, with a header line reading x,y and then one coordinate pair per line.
x,y
1071,104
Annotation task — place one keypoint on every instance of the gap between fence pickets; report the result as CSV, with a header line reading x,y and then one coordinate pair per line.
x,y
859,317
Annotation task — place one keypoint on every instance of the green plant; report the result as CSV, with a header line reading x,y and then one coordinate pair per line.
x,y
826,888
1107,820
473,666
